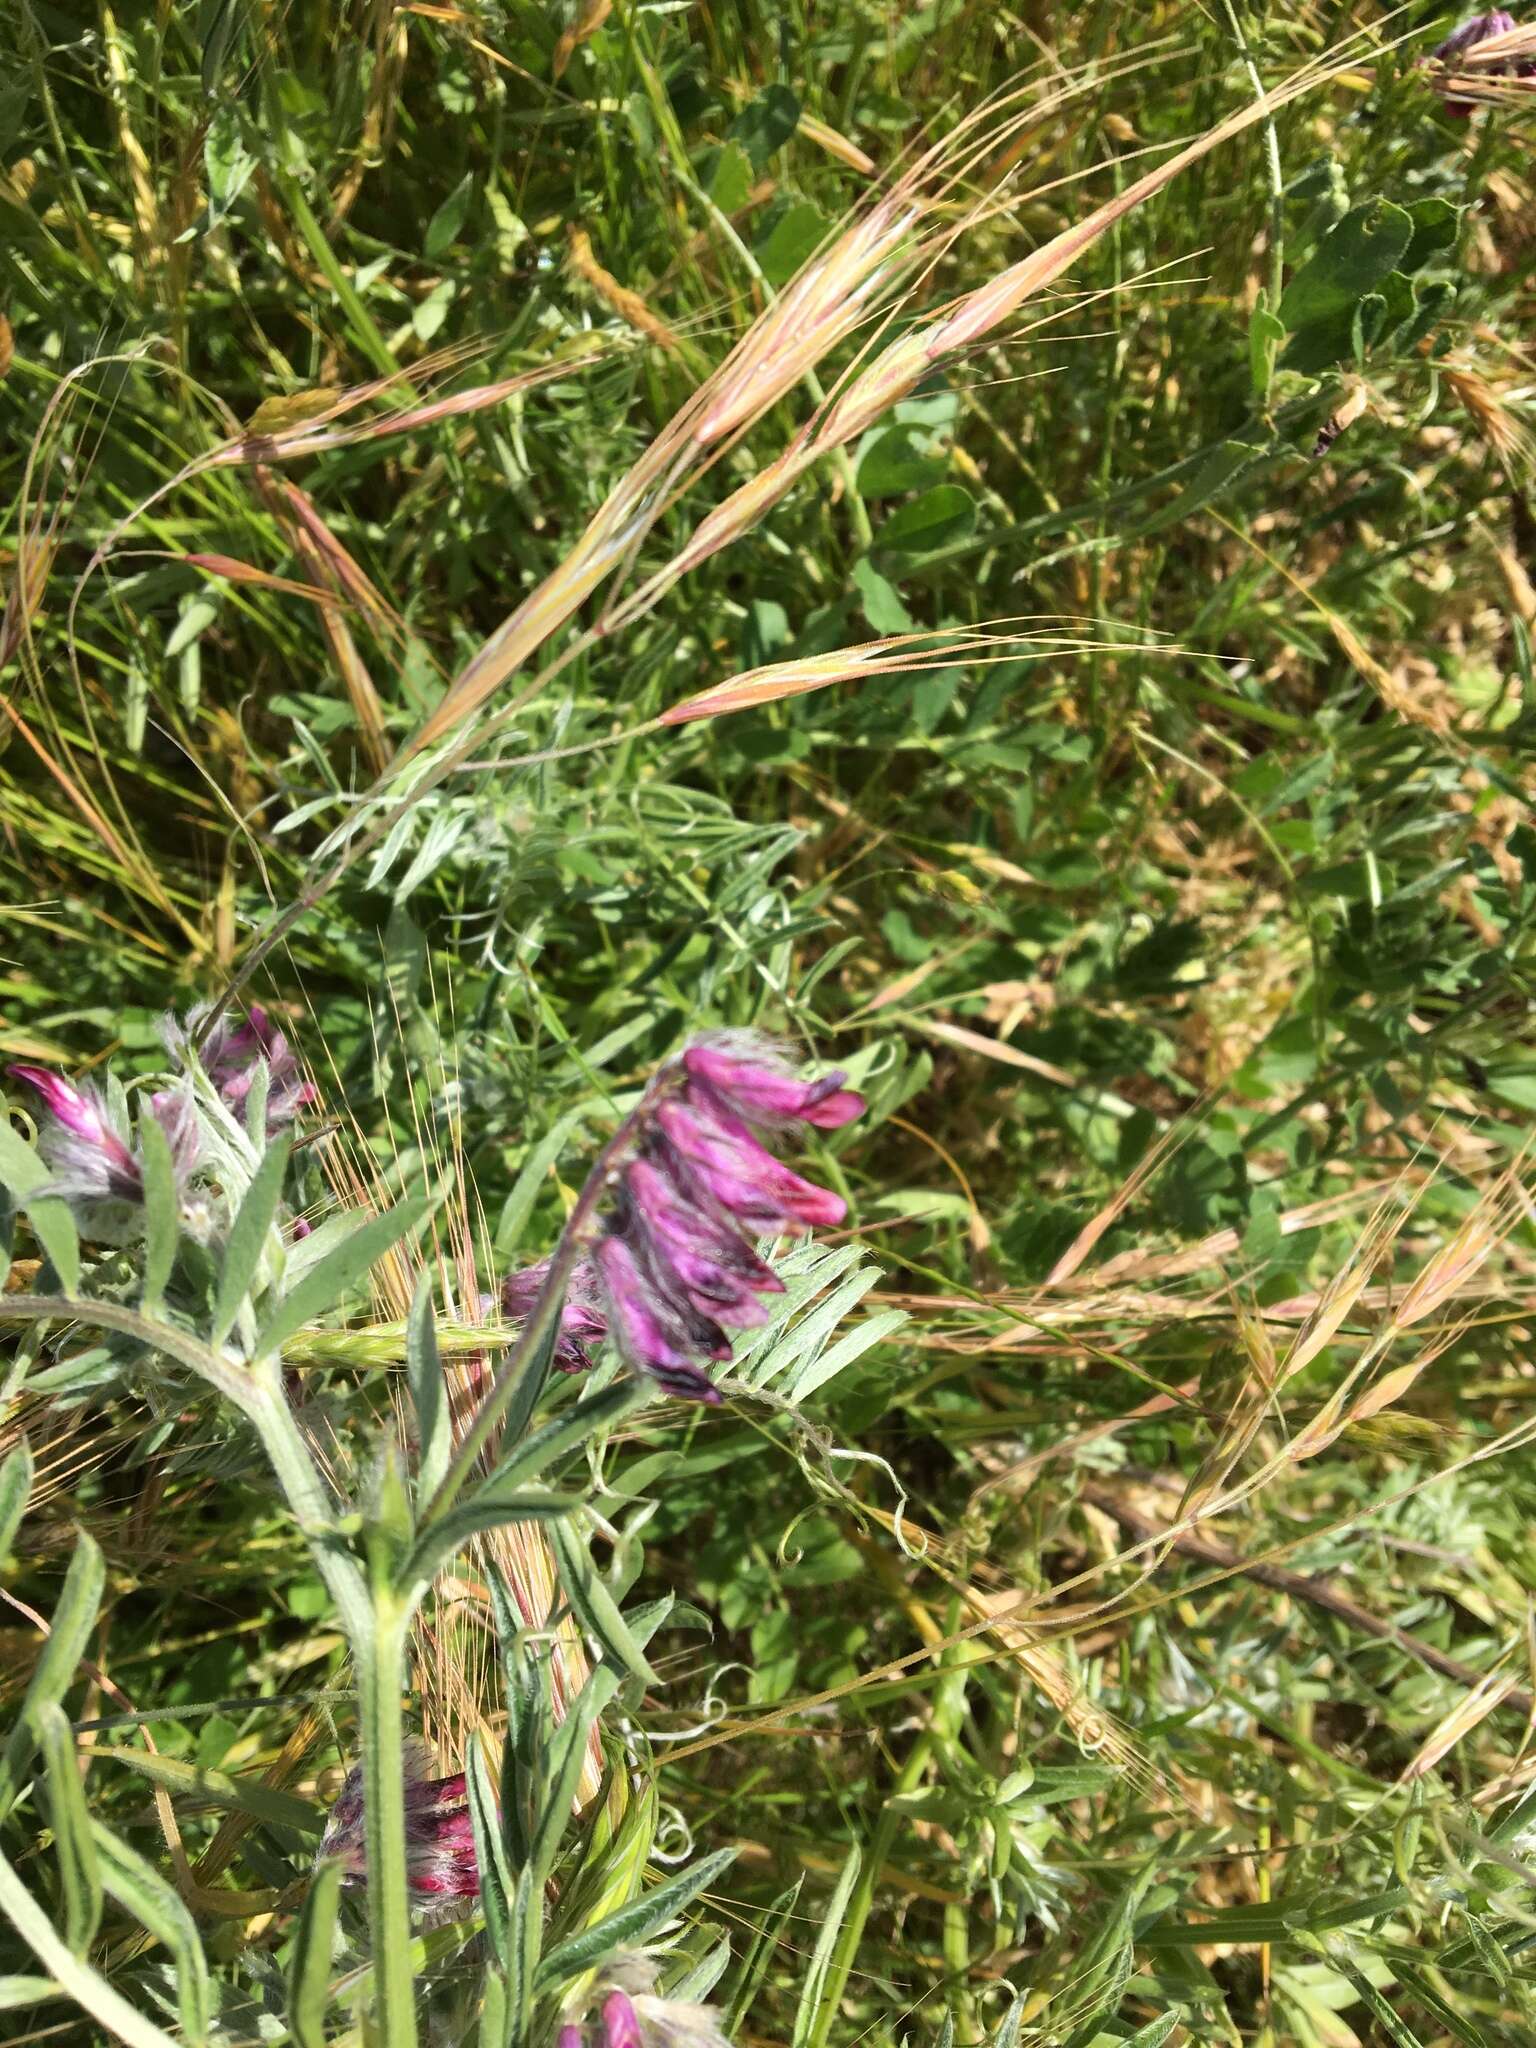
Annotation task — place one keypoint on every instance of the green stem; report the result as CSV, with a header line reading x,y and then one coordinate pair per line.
x,y
523,1357
948,1711
380,1661
371,340
860,1905
1274,169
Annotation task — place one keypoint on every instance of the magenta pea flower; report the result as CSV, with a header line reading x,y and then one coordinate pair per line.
x,y
441,1866
746,1076
671,1265
1478,30
676,1264
621,2023
582,1322
233,1053
632,2016
91,1159
661,1334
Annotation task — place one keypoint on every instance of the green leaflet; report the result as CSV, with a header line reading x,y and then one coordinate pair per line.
x,y
73,1620
632,1924
15,1492
424,1374
812,2017
339,1271
309,1967
236,1795
23,1173
594,1606
75,1853
140,1890
248,1237
162,1216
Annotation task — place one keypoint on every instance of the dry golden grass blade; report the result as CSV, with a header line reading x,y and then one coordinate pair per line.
x,y
819,308
333,565
308,422
367,706
1218,1246
900,654
1447,1275
991,1048
302,517
131,859
1468,1713
24,596
1046,1666
837,291
1156,1158
835,145
1019,1475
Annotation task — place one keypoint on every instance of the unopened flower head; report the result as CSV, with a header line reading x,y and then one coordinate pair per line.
x,y
441,1867
233,1054
93,1163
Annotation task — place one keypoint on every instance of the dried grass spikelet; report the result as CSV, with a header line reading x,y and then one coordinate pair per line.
x,y
291,426
891,375
629,305
28,580
852,283
1256,1442
590,18
1467,1714
1488,407
1095,1731
899,654
1001,1612
816,311
454,1655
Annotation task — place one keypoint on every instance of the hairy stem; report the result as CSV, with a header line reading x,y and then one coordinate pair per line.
x,y
380,1660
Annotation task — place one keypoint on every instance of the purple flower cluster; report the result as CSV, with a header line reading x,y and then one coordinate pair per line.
x,y
91,1160
582,1322
233,1053
1478,30
439,1833
674,1265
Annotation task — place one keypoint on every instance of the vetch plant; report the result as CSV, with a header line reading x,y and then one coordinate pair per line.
x,y
658,1251
672,1263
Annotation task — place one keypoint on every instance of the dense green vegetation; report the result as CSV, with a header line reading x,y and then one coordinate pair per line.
x,y
1106,1618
